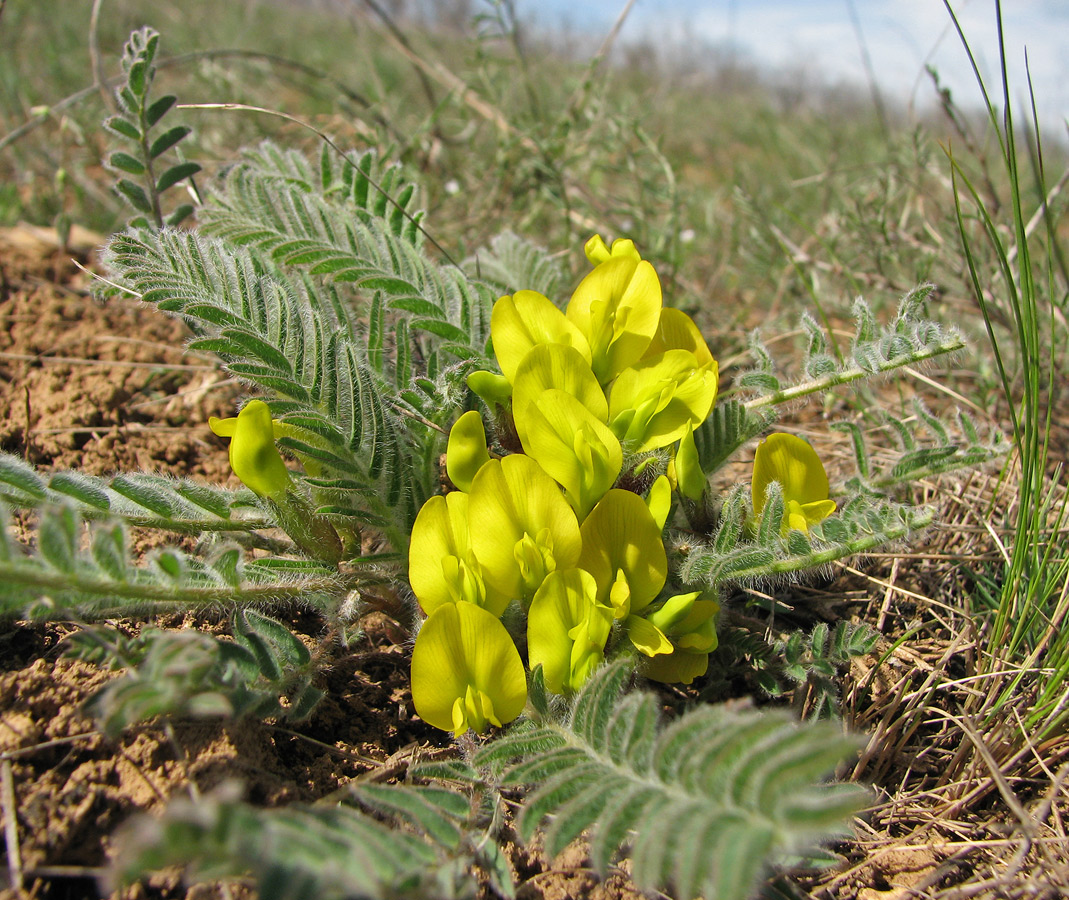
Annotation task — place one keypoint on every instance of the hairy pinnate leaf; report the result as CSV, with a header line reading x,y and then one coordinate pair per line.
x,y
703,805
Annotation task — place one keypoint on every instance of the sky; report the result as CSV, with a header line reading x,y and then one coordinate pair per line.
x,y
900,37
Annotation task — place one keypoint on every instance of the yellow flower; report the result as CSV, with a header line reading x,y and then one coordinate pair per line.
x,y
794,464
466,452
253,455
567,629
654,402
521,527
597,252
549,367
524,320
616,308
688,624
622,549
573,446
466,671
677,331
442,568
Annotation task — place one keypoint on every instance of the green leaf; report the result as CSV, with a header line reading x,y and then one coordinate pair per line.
x,y
136,77
20,475
768,529
135,194
255,347
81,488
128,103
211,499
434,811
537,695
228,566
171,563
176,174
180,214
764,381
126,163
168,139
288,648
737,778
123,127
57,539
158,109
110,552
303,703
294,852
145,494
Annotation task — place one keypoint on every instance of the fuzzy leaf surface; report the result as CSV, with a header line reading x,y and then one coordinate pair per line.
x,y
747,779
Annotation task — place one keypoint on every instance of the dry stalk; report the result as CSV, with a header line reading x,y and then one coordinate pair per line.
x,y
11,827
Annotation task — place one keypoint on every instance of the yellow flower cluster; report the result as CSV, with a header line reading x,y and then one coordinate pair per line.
x,y
615,374
545,534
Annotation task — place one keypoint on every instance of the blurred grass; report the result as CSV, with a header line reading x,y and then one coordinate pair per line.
x,y
754,194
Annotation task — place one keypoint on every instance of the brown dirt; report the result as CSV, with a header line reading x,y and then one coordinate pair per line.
x,y
105,388
102,388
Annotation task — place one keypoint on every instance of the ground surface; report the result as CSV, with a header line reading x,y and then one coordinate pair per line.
x,y
107,388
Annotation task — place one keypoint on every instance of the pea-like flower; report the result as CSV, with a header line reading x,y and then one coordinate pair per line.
x,y
555,367
597,251
521,527
687,623
253,455
577,449
622,549
654,402
677,331
522,321
567,629
466,671
794,464
617,307
442,568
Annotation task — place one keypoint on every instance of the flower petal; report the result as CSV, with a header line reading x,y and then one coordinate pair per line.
x,y
521,527
647,637
442,569
680,667
576,449
567,629
677,331
253,455
597,252
621,536
617,307
521,321
466,452
555,367
463,653
794,464
654,402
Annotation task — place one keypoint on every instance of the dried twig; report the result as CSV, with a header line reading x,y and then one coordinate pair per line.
x,y
11,828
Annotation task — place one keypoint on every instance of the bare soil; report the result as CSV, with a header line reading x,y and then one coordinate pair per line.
x,y
107,388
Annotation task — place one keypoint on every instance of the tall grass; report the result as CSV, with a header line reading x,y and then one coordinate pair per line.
x,y
1025,635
